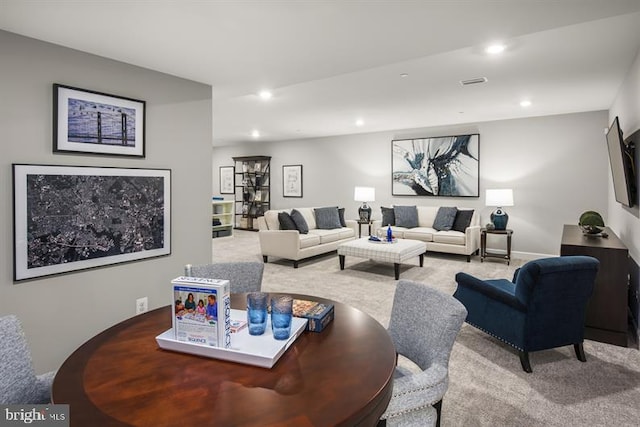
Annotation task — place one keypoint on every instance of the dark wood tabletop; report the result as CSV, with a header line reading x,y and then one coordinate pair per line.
x,y
340,376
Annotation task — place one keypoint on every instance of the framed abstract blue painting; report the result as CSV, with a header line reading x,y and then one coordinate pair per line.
x,y
445,166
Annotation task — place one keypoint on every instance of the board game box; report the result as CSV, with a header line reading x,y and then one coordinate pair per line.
x,y
319,315
201,311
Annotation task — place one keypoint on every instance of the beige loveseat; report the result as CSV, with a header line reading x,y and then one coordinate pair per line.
x,y
453,242
290,244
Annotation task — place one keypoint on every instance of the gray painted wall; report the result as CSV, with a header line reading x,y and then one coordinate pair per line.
x,y
556,165
623,220
60,313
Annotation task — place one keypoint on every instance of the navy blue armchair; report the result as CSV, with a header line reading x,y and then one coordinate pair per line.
x,y
542,308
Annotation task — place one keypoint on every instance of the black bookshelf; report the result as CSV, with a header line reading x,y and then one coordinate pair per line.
x,y
252,191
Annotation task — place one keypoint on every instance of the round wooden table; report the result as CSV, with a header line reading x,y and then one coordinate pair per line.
x,y
340,376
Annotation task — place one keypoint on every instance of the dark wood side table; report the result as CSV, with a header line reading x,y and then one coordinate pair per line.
x,y
606,317
121,378
483,244
360,224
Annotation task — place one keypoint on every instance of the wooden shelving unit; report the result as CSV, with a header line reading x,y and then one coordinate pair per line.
x,y
222,218
252,191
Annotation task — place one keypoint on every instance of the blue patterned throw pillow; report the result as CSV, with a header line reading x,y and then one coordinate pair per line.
x,y
445,218
406,216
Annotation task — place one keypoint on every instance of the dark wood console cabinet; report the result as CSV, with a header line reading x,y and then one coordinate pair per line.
x,y
606,318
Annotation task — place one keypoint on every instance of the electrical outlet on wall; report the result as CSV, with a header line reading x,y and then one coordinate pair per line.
x,y
142,305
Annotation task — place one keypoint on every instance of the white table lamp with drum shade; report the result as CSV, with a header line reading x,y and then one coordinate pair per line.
x,y
364,195
499,198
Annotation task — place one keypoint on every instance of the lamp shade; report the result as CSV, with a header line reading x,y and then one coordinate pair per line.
x,y
364,194
499,197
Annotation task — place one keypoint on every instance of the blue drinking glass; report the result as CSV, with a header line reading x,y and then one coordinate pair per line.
x,y
257,312
281,316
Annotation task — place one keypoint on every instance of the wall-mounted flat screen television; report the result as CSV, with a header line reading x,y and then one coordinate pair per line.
x,y
621,158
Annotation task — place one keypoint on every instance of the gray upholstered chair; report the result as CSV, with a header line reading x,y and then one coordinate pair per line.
x,y
242,276
423,327
18,382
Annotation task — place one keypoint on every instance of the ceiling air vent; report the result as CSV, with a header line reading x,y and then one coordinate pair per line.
x,y
475,81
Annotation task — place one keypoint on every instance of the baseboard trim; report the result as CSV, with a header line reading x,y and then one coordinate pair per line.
x,y
528,256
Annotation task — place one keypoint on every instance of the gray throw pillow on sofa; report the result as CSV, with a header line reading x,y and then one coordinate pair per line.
x,y
301,223
388,217
286,222
445,218
327,218
406,216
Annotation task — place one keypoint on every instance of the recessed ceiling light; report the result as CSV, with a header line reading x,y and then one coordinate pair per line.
x,y
525,103
403,75
359,122
265,94
255,134
494,49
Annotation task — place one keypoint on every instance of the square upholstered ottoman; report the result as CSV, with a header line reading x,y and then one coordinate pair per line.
x,y
397,252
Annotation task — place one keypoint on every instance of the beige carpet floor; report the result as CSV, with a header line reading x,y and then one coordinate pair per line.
x,y
487,384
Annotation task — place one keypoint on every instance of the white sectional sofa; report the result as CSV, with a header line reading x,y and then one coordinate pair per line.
x,y
293,245
453,242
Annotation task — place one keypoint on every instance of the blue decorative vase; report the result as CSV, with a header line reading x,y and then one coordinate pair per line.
x,y
500,219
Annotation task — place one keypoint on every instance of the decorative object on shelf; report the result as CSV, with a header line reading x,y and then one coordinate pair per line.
x,y
70,218
292,181
86,121
591,223
443,166
227,180
364,195
499,198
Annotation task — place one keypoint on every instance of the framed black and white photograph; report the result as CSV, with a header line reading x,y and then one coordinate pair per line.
x,y
69,218
86,121
227,180
292,181
446,166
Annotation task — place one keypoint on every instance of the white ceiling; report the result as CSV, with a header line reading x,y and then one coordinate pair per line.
x,y
329,63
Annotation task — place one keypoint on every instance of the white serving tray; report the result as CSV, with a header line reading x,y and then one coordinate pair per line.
x,y
257,350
